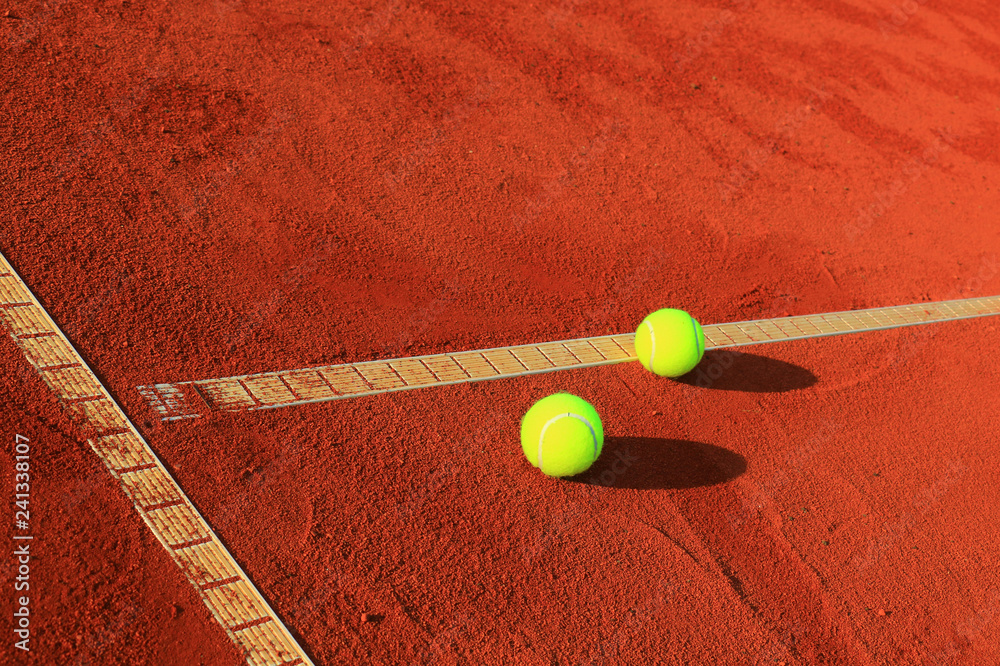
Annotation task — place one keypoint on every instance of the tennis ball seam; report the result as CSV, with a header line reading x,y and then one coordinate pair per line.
x,y
652,344
541,436
697,338
678,355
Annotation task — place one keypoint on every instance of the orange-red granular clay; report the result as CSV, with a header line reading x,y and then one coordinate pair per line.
x,y
197,190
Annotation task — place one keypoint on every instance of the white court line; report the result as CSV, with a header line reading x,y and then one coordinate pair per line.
x,y
192,544
304,386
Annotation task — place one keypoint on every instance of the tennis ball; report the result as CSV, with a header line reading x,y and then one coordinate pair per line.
x,y
562,435
669,342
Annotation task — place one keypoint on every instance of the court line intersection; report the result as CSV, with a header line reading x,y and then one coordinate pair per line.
x,y
232,598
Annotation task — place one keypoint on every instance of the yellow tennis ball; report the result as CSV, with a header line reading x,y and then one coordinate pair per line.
x,y
669,342
562,435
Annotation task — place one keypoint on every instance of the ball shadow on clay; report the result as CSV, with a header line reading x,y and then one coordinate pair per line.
x,y
728,370
648,463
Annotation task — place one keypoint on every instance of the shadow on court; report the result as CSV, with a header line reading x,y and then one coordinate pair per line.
x,y
648,463
728,370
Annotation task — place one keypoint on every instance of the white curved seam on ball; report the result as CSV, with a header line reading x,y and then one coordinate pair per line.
x,y
697,338
593,433
541,437
652,344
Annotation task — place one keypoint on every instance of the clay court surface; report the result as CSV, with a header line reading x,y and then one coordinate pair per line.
x,y
199,190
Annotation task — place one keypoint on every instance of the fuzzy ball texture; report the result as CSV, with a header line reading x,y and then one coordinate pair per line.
x,y
669,342
562,435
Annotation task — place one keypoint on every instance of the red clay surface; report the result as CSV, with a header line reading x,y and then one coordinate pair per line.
x,y
203,189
